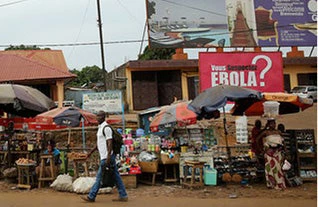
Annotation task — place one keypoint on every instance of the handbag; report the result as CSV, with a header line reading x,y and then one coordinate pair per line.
x,y
108,177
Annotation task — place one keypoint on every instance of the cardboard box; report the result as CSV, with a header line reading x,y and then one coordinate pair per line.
x,y
130,181
149,167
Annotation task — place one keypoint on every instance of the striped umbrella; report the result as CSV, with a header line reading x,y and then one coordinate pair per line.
x,y
176,114
288,103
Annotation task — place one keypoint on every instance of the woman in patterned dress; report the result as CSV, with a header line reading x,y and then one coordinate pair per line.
x,y
273,155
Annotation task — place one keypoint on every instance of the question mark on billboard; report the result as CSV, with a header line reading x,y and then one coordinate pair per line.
x,y
266,69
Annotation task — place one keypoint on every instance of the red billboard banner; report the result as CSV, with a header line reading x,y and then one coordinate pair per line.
x,y
262,71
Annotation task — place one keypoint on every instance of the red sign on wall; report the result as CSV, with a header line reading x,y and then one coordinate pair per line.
x,y
262,71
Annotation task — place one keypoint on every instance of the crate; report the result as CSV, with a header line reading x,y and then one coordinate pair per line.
x,y
210,176
164,158
149,167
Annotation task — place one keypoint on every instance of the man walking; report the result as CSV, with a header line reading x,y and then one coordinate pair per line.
x,y
107,158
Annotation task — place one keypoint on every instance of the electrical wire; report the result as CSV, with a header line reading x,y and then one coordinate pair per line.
x,y
195,8
80,30
80,44
11,3
127,10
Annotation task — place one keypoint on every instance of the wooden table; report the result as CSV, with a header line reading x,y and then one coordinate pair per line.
x,y
34,154
26,175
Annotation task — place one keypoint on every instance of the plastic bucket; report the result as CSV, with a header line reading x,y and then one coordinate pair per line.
x,y
271,108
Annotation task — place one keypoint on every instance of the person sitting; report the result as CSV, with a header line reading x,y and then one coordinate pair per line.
x,y
51,149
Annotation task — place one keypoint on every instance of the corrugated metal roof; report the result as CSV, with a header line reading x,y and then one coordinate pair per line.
x,y
53,58
15,68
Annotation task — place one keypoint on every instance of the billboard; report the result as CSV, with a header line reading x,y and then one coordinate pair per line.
x,y
110,101
231,23
262,71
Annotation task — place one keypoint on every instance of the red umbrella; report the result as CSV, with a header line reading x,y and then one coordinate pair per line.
x,y
67,116
288,103
172,115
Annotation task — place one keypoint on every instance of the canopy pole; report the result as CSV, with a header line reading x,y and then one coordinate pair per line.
x,y
83,134
228,150
123,117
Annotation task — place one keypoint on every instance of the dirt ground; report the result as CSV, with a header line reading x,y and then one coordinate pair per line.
x,y
168,195
174,195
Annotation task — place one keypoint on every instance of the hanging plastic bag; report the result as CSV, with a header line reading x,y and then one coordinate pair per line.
x,y
286,165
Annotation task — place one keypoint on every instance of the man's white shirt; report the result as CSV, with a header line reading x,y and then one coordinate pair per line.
x,y
101,140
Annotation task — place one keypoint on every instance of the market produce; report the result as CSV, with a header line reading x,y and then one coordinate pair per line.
x,y
23,161
77,155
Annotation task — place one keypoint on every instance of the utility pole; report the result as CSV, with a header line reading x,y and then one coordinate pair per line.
x,y
99,20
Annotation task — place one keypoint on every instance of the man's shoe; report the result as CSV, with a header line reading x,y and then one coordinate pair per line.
x,y
125,199
87,199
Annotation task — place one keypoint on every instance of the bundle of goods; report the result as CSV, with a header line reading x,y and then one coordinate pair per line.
x,y
169,157
76,155
24,161
148,162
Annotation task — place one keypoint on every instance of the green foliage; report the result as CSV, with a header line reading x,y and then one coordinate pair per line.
x,y
151,9
89,74
25,47
157,54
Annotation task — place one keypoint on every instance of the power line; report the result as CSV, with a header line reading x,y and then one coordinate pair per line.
x,y
194,8
80,44
80,30
124,41
11,3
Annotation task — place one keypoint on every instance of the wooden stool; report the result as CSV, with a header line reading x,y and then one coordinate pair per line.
x,y
195,165
148,178
42,177
26,176
172,178
84,162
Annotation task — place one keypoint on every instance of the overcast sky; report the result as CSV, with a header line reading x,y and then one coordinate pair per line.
x,y
47,22
42,22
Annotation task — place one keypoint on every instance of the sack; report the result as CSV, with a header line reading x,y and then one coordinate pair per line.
x,y
63,183
108,177
117,139
83,184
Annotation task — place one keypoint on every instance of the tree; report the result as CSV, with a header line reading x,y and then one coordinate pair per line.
x,y
89,74
25,47
157,54
151,9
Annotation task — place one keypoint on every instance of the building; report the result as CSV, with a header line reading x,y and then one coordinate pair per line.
x,y
45,70
154,83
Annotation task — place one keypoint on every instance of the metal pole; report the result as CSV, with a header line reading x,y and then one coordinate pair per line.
x,y
228,150
101,43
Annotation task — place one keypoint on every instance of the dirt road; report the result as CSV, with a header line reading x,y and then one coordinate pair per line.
x,y
70,200
168,196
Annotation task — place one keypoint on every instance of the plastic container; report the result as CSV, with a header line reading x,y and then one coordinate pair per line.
x,y
271,108
184,149
210,176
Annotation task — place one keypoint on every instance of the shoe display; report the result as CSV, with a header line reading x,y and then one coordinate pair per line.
x,y
87,199
121,199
